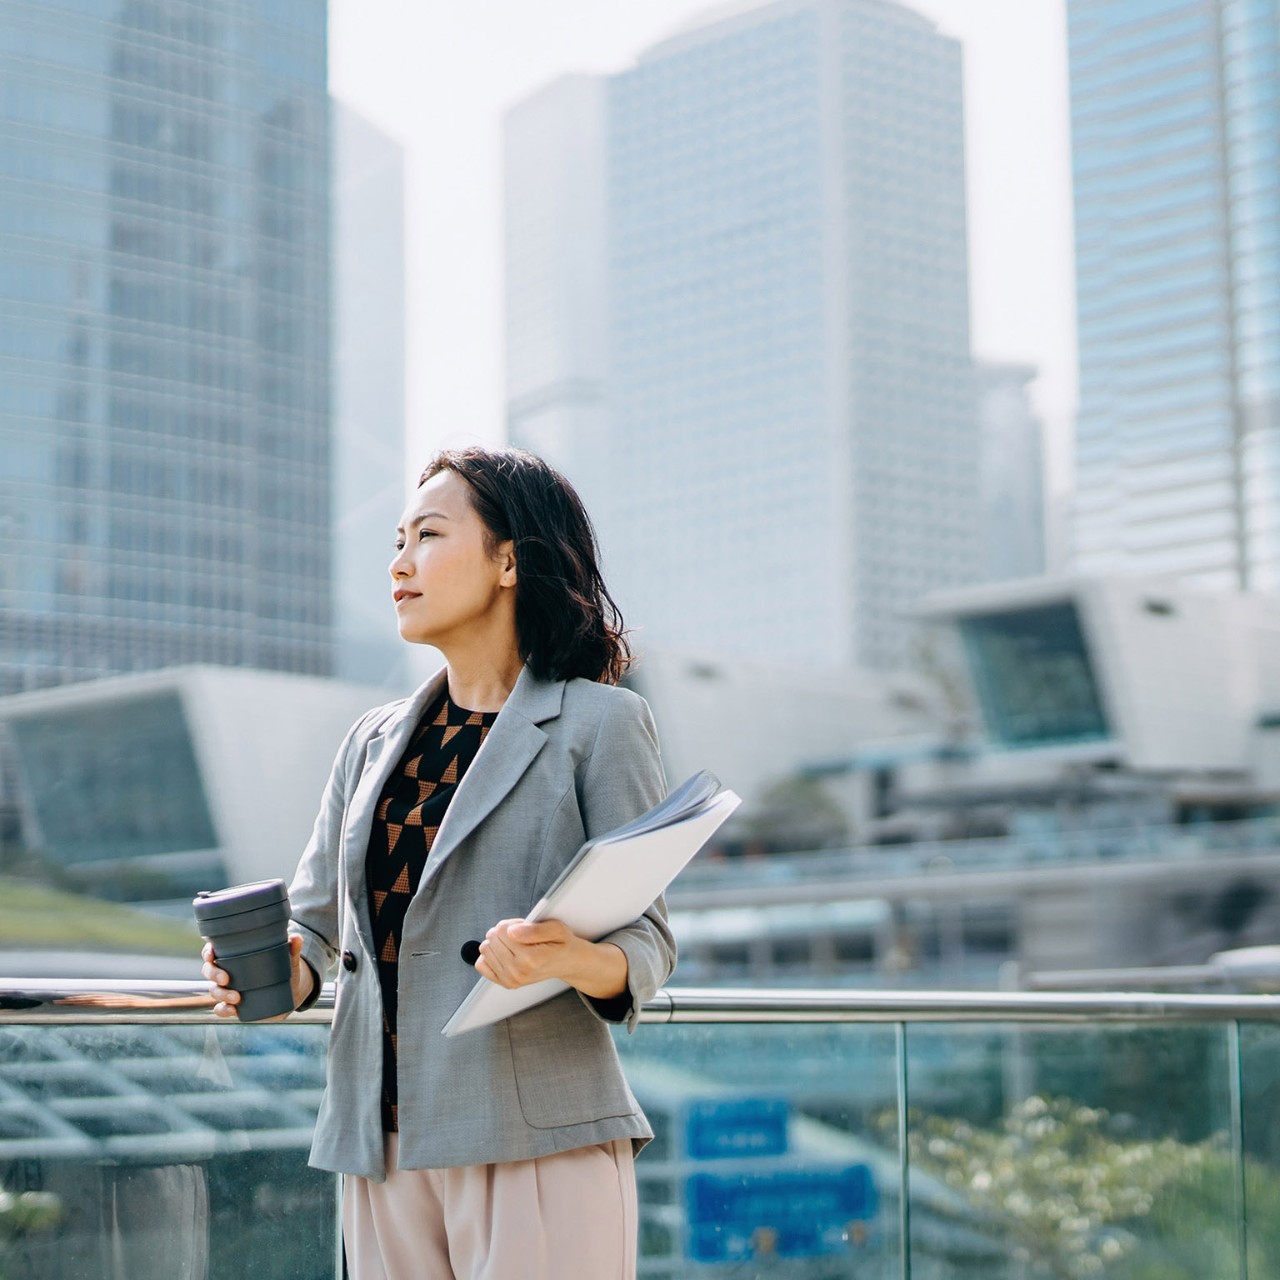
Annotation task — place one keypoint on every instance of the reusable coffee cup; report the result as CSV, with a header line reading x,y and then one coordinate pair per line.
x,y
248,926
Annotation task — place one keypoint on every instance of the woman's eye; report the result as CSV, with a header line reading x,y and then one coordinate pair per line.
x,y
426,533
399,546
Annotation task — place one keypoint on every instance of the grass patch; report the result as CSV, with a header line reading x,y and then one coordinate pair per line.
x,y
34,915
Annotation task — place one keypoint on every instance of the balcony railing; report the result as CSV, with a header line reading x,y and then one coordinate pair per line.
x,y
928,865
814,1134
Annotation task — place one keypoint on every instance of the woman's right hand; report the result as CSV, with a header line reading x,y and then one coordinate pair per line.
x,y
301,979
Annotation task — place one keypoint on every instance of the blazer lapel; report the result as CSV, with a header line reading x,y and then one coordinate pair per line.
x,y
508,750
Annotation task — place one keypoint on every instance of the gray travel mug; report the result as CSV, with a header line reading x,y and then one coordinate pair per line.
x,y
248,926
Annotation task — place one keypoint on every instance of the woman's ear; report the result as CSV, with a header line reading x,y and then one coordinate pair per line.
x,y
507,557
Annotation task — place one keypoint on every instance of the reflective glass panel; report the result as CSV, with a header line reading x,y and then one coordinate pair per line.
x,y
1260,1114
1034,676
776,1151
1073,1152
163,1153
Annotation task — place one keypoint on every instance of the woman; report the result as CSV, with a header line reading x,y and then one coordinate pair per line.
x,y
505,1152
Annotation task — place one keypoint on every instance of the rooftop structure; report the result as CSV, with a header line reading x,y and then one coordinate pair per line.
x,y
1115,804
157,785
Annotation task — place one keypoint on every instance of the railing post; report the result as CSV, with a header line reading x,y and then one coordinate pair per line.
x,y
339,1253
904,1158
1235,1059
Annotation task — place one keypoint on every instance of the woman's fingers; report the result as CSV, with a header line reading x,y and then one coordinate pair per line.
x,y
514,953
210,972
225,1001
521,931
495,954
498,959
224,998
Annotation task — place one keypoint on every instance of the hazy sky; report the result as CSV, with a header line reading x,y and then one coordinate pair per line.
x,y
438,76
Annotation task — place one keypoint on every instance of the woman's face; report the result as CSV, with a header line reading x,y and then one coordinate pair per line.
x,y
447,586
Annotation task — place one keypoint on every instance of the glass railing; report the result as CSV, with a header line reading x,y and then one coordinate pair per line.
x,y
706,880
814,1134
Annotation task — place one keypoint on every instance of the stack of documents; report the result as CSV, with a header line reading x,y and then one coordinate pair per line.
x,y
610,883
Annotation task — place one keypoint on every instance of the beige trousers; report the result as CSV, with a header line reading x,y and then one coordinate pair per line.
x,y
570,1216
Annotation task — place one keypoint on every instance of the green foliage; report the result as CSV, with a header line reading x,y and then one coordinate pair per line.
x,y
34,915
1071,1199
25,1214
796,813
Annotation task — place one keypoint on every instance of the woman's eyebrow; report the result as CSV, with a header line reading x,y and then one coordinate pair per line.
x,y
417,520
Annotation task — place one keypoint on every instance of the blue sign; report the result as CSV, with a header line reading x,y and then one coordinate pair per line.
x,y
798,1213
722,1129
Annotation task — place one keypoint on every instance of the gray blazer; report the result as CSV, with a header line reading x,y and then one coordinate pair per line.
x,y
564,761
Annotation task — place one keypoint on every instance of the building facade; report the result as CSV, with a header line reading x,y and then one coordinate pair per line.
x,y
769,318
555,251
164,337
370,474
1175,108
1113,805
154,785
1013,529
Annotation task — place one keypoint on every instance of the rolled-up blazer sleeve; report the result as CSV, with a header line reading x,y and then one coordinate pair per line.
x,y
621,779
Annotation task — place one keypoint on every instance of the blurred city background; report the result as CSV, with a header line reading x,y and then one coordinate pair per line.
x,y
920,365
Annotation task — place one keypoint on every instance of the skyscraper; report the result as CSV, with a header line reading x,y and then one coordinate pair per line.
x,y
1013,506
784,446
1175,108
164,337
556,316
369,473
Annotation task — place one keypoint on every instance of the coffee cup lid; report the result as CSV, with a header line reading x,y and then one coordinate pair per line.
x,y
212,904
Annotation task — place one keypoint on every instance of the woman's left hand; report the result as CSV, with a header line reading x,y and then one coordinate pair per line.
x,y
514,954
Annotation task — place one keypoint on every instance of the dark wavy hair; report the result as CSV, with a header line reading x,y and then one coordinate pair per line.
x,y
567,623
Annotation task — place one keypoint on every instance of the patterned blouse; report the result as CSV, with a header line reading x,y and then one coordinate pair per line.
x,y
409,814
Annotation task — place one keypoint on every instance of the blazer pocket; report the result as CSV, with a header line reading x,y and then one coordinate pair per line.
x,y
566,1068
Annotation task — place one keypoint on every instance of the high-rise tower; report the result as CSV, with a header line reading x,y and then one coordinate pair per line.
x,y
1175,111
1013,506
164,337
369,469
782,435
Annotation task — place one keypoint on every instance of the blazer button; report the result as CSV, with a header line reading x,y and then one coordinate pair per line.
x,y
349,961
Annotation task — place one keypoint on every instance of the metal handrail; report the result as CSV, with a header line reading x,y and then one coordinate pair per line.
x,y
1249,838
31,1001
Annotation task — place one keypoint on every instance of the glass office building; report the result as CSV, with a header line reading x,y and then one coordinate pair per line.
x,y
555,158
164,337
1013,533
1176,143
780,363
369,472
